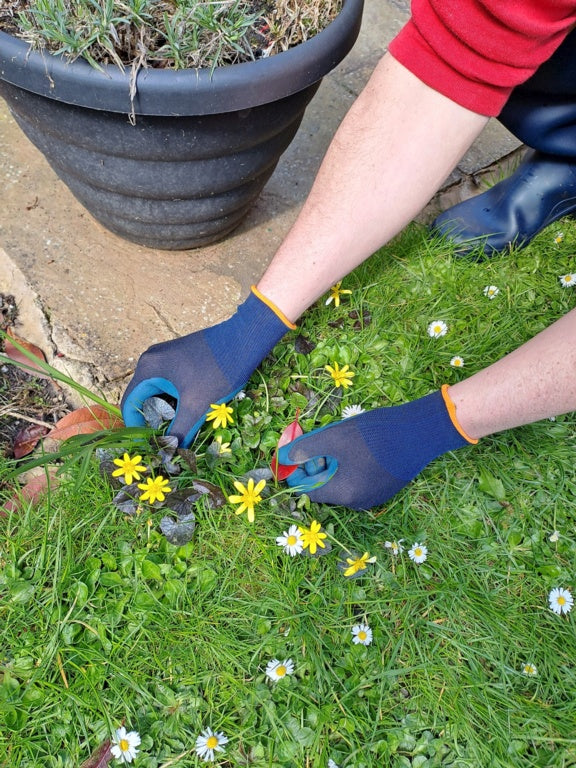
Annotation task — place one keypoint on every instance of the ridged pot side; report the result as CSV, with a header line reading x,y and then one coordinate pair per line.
x,y
201,148
168,183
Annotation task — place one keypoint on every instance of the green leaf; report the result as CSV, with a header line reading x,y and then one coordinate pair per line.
x,y
111,579
21,591
151,570
491,485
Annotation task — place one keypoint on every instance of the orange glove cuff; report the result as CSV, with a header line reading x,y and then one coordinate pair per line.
x,y
277,311
451,408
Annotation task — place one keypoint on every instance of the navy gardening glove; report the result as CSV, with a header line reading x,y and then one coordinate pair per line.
x,y
364,460
207,367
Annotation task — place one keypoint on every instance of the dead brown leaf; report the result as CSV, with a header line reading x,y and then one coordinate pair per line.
x,y
12,351
32,491
84,421
27,438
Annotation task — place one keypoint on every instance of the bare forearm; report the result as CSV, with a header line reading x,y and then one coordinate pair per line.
x,y
397,144
536,381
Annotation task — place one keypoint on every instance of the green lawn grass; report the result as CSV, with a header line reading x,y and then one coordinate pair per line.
x,y
103,622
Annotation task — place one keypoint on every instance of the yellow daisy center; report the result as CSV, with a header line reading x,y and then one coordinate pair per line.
x,y
281,670
124,745
211,742
561,600
362,635
418,552
291,540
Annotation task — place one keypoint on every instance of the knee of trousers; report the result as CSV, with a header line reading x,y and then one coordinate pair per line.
x,y
542,111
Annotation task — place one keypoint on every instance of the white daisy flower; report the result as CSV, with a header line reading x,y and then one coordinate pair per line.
x,y
331,764
361,634
276,670
291,540
561,600
418,553
240,395
491,291
395,547
554,537
457,362
351,410
529,669
567,280
208,743
558,237
124,745
437,328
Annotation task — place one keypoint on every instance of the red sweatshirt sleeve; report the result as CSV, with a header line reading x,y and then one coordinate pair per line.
x,y
476,51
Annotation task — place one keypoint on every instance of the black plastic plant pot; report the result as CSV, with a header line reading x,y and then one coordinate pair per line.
x,y
203,144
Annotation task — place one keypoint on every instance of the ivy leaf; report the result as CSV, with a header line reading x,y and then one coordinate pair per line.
x,y
125,500
157,411
320,551
303,345
257,474
180,531
168,445
215,495
291,432
189,458
361,320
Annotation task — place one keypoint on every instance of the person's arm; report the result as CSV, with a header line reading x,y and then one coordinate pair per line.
x,y
363,461
535,381
392,151
397,144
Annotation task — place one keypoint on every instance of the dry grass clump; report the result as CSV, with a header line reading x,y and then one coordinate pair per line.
x,y
174,34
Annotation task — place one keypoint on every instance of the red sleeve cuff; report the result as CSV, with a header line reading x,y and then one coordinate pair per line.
x,y
476,52
414,53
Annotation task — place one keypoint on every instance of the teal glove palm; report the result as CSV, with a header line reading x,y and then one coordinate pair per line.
x,y
204,368
364,460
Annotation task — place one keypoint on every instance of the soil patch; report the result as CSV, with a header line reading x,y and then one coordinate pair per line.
x,y
25,399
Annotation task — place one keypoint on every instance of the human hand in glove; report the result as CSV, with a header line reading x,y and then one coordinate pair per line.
x,y
364,460
204,368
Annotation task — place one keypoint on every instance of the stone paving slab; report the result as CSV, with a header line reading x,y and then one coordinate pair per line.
x,y
94,301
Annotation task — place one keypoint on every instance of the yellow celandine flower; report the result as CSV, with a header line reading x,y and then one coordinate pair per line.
x,y
342,376
154,489
335,293
130,468
223,448
220,415
247,497
312,537
358,564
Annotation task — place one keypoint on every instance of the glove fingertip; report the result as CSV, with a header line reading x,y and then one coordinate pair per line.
x,y
180,428
305,482
131,408
315,466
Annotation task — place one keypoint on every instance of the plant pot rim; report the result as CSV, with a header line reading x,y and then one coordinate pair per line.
x,y
164,92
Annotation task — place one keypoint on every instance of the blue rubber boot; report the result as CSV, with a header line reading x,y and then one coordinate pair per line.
x,y
542,114
511,213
